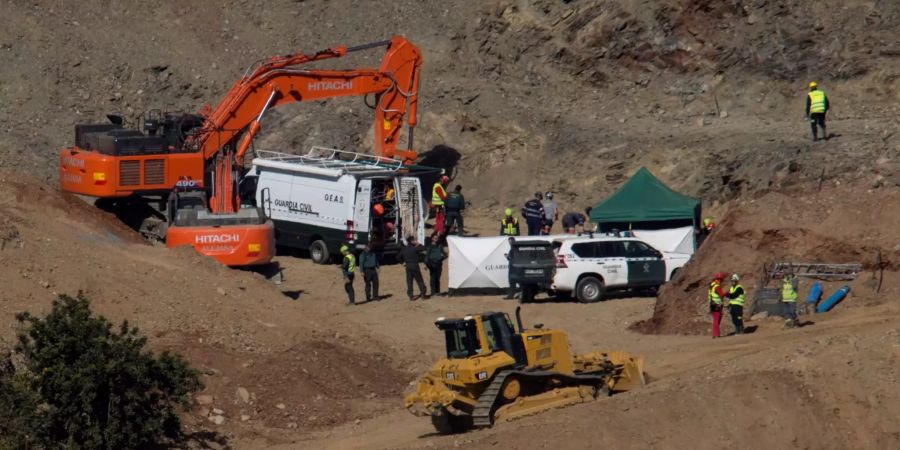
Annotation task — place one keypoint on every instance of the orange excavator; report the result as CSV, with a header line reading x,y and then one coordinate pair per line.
x,y
191,164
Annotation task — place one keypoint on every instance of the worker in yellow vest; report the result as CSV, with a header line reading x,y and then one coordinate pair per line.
x,y
348,270
716,296
736,296
438,195
816,108
789,299
509,225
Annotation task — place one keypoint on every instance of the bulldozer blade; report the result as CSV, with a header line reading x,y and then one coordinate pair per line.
x,y
631,375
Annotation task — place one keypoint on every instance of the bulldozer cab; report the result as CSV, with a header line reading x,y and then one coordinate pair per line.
x,y
482,334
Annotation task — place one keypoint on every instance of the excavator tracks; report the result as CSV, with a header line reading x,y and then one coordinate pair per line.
x,y
483,413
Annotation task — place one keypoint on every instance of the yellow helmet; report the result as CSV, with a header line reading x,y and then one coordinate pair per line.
x,y
508,212
345,249
813,84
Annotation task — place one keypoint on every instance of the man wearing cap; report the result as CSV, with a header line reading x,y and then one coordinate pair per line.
x,y
736,303
533,212
348,269
438,195
716,302
816,107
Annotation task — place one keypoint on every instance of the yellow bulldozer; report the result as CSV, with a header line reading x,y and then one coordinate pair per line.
x,y
493,373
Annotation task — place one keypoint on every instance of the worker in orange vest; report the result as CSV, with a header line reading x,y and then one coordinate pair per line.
x,y
438,195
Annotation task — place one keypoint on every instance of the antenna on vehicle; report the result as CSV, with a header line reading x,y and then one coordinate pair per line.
x,y
519,318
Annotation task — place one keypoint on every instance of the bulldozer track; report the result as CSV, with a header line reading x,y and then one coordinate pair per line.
x,y
483,413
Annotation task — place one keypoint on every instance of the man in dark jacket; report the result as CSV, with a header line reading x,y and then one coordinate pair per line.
x,y
533,212
409,256
434,261
368,261
454,205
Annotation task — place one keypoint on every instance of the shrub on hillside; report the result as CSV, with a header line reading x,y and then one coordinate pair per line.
x,y
86,385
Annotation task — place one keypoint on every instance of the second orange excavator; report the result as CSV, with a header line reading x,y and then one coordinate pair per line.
x,y
190,165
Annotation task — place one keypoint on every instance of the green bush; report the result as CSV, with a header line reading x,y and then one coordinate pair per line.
x,y
88,386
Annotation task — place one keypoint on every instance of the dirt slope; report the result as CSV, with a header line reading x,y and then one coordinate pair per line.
x,y
570,96
840,224
235,326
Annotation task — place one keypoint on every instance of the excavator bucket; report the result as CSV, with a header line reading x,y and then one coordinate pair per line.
x,y
629,372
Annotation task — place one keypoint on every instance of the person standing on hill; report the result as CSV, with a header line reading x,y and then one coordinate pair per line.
x,y
409,256
789,299
551,213
348,269
438,195
816,107
533,212
454,205
736,296
716,302
434,262
509,225
368,261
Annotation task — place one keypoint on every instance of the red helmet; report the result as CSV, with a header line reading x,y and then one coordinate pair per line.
x,y
445,179
719,276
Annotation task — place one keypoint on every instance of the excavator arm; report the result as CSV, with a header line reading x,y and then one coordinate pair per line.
x,y
234,123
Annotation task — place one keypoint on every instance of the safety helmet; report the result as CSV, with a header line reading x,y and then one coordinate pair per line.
x,y
735,277
719,276
508,212
549,195
445,179
345,249
378,209
813,84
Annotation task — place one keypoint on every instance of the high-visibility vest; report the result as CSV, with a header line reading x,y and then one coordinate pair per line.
x,y
788,294
510,226
713,295
816,101
351,262
436,192
739,301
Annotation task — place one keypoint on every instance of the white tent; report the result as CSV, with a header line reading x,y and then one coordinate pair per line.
x,y
480,262
673,240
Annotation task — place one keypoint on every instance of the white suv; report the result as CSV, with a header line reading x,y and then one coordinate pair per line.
x,y
587,267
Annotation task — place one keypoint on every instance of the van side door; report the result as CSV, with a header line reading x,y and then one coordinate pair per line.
x,y
646,266
362,211
413,213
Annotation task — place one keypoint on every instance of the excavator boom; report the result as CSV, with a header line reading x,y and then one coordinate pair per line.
x,y
207,151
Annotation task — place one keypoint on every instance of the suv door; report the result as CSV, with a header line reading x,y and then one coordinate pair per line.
x,y
611,255
646,266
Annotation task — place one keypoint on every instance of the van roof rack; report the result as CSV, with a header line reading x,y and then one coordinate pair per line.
x,y
331,161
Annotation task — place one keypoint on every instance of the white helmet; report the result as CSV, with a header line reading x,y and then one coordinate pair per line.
x,y
549,195
735,277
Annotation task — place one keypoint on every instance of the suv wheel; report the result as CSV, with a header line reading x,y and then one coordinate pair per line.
x,y
589,290
318,252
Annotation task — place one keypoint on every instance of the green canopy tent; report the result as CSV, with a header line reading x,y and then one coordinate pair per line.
x,y
645,203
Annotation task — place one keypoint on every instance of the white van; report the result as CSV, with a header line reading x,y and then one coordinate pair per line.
x,y
326,198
